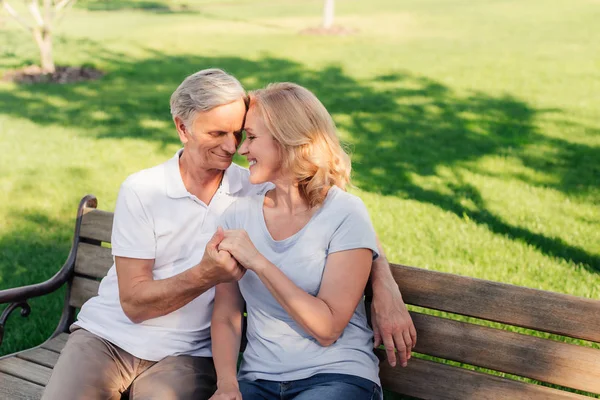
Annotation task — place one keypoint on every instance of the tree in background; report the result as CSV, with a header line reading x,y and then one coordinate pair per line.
x,y
45,19
328,13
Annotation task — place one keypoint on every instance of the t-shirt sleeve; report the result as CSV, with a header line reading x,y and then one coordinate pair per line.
x,y
355,230
133,230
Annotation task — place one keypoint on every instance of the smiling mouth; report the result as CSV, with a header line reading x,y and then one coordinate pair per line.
x,y
228,157
251,162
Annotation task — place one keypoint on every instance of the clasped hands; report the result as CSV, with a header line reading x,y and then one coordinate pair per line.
x,y
229,253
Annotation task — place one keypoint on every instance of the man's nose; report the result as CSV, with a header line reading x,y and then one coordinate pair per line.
x,y
230,144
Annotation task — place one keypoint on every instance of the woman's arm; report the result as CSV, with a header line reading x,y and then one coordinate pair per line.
x,y
325,316
226,325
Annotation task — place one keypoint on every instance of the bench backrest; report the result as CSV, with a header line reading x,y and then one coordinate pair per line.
x,y
475,328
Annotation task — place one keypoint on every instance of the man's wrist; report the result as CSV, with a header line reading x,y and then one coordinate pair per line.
x,y
383,282
228,382
200,280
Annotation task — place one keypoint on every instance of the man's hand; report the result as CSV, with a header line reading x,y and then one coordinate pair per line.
x,y
227,390
391,322
218,265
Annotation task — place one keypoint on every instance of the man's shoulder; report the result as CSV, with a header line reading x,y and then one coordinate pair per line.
x,y
152,179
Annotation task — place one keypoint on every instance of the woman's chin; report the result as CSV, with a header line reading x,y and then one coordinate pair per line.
x,y
256,180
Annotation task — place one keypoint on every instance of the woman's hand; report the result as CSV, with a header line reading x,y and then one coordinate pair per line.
x,y
239,245
227,391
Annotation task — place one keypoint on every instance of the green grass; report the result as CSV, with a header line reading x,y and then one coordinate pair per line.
x,y
474,126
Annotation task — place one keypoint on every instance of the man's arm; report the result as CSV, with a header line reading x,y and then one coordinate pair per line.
x,y
143,298
392,324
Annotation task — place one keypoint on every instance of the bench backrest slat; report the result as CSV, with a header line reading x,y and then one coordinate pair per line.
x,y
82,290
92,260
96,225
431,380
510,352
530,308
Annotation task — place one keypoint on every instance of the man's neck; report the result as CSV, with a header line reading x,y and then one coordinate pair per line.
x,y
202,183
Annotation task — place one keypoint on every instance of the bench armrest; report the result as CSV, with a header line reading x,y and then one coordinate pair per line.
x,y
23,293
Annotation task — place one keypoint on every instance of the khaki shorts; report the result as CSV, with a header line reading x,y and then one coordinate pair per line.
x,y
90,367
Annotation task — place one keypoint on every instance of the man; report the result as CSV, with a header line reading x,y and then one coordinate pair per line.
x,y
148,330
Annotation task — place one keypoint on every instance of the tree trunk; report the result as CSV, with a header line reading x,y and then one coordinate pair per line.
x,y
328,9
43,38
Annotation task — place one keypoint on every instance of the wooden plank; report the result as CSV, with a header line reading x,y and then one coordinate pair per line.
x,y
97,225
27,370
92,260
82,290
40,356
546,360
431,380
57,343
530,308
15,388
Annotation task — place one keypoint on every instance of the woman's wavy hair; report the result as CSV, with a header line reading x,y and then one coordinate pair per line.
x,y
309,146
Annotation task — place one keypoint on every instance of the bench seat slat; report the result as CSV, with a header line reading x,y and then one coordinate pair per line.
x,y
97,225
93,260
431,380
15,388
40,356
530,308
57,343
514,353
26,370
82,290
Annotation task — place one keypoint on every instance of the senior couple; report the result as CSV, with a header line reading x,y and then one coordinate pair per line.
x,y
197,239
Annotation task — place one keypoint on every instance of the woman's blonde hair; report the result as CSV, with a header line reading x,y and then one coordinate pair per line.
x,y
306,133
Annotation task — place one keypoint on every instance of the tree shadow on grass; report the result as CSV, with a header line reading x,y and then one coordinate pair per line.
x,y
400,126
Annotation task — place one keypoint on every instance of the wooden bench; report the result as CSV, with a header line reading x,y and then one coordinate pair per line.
x,y
474,350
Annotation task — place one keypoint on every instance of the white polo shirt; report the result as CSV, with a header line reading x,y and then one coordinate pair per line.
x,y
157,218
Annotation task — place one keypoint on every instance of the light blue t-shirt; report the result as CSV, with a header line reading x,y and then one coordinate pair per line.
x,y
278,348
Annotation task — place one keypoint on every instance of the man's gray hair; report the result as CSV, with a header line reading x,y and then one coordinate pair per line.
x,y
204,91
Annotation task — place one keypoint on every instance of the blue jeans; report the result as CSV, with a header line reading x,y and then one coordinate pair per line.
x,y
317,387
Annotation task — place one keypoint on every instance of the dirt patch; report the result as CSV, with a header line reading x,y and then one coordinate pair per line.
x,y
333,31
33,74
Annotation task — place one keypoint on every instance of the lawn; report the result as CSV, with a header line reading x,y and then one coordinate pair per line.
x,y
474,126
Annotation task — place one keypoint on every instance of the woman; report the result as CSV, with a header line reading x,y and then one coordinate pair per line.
x,y
307,246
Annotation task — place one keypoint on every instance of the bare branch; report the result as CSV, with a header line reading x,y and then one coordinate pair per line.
x,y
64,5
16,15
48,14
34,9
58,7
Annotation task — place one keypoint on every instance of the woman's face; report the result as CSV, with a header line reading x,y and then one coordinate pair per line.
x,y
261,150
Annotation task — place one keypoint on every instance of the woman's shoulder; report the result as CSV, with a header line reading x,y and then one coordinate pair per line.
x,y
340,200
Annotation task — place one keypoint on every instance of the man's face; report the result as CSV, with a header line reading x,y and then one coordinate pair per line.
x,y
211,140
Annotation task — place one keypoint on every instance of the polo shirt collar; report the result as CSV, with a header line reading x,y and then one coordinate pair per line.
x,y
231,184
232,181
